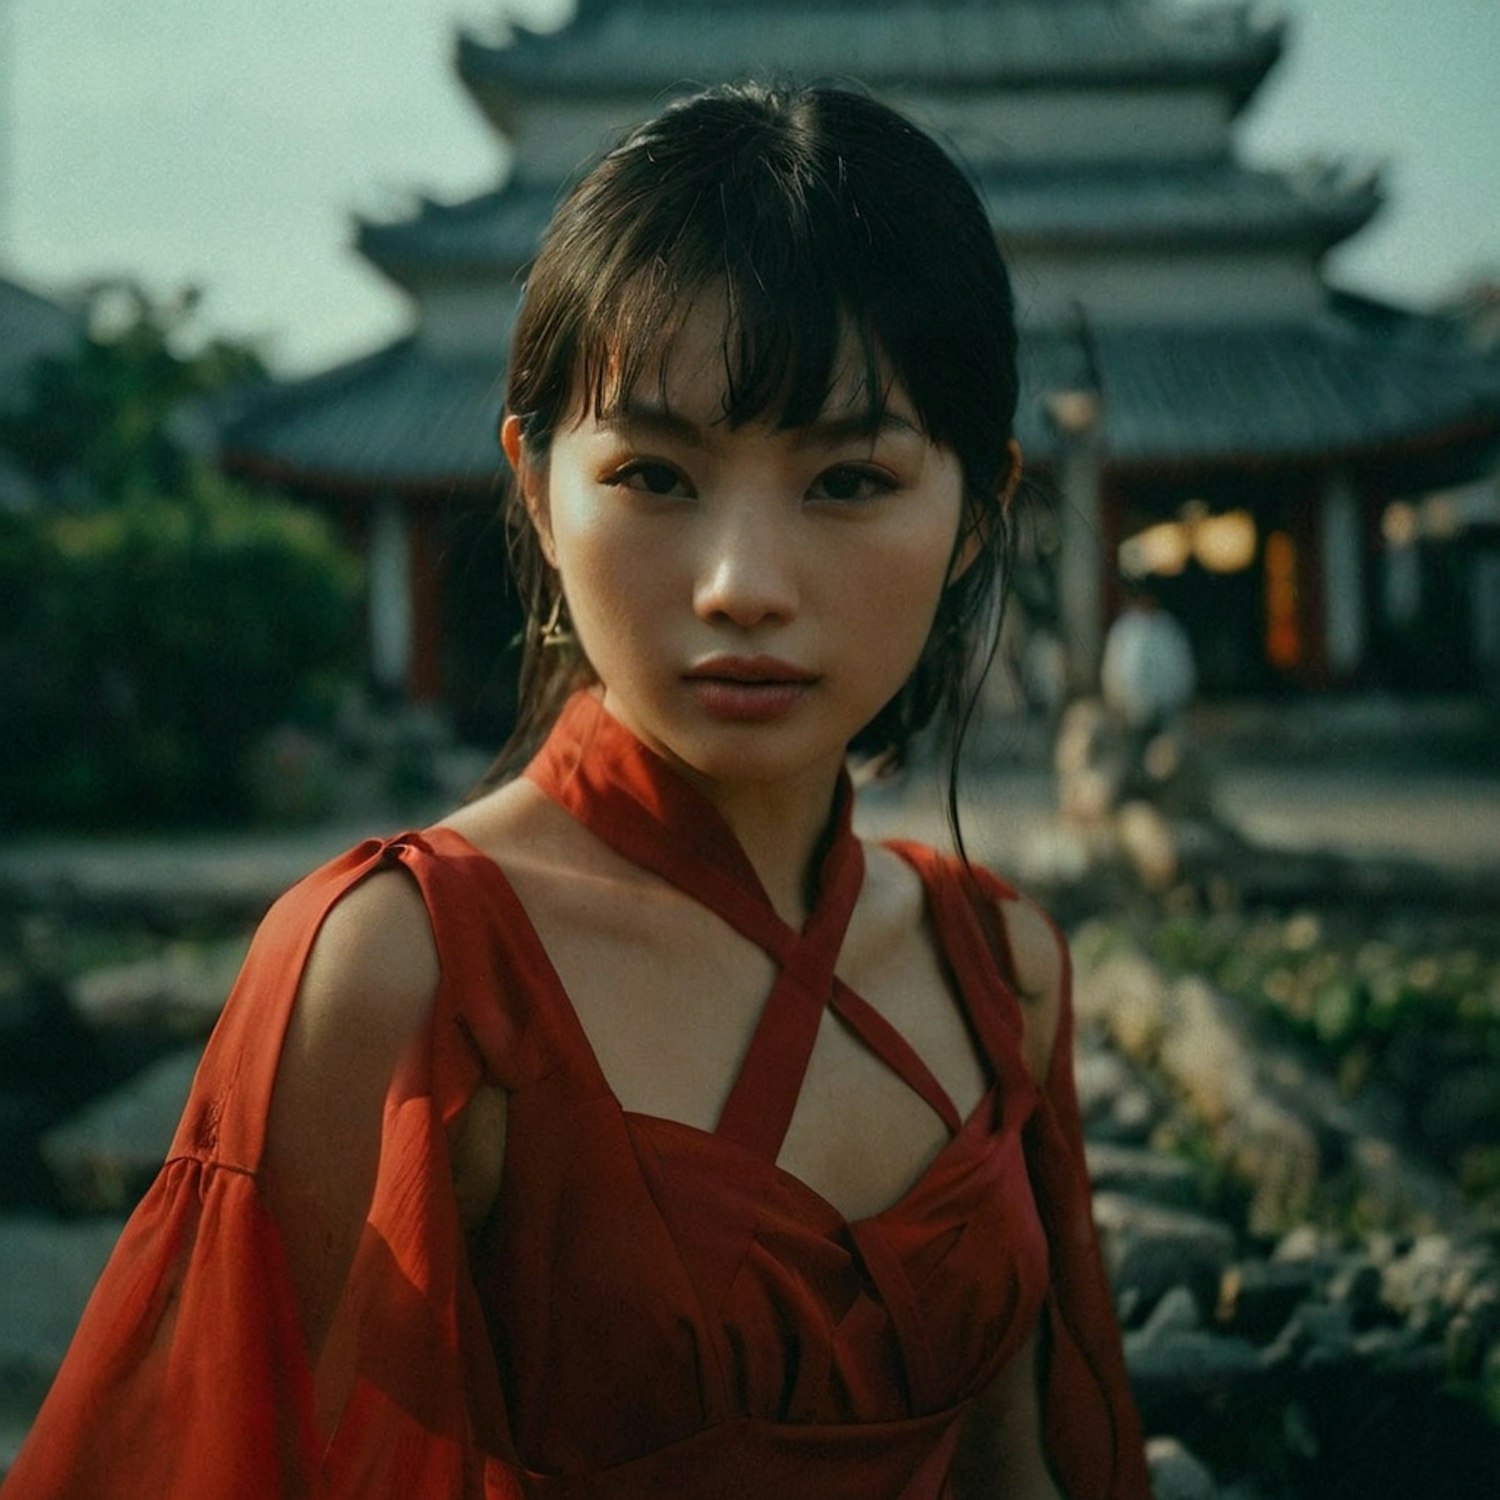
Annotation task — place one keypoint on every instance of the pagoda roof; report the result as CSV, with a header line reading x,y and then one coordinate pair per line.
x,y
498,230
495,231
402,418
1318,391
613,46
1157,204
1176,204
1315,392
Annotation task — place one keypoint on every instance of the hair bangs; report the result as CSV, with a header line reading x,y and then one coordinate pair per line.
x,y
797,338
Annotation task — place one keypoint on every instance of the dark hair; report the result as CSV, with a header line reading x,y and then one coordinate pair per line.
x,y
825,217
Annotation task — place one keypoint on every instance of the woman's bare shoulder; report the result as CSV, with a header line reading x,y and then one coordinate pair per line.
x,y
1039,970
519,827
373,967
1038,964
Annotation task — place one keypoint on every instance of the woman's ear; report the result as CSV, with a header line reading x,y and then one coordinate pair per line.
x,y
531,478
978,522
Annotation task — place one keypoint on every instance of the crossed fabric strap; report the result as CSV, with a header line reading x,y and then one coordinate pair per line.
x,y
631,800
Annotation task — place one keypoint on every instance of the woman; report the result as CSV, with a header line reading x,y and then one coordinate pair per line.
x,y
638,1130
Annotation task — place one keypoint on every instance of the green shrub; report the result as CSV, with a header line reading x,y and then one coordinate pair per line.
x,y
147,646
1408,1006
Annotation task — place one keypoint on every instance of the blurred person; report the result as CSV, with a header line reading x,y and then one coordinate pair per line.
x,y
638,1130
1147,673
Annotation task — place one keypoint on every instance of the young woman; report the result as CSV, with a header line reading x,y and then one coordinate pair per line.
x,y
638,1130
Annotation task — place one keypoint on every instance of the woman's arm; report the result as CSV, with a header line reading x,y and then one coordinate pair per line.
x,y
365,998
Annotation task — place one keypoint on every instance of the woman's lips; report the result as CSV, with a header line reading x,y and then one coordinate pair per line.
x,y
749,690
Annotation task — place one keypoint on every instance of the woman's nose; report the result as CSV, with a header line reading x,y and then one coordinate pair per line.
x,y
747,571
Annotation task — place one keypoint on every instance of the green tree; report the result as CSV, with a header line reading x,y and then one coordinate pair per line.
x,y
110,414
148,646
151,636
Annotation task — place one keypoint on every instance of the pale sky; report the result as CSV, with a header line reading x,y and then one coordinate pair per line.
x,y
228,144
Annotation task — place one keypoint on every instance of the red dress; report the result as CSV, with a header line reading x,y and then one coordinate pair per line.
x,y
652,1310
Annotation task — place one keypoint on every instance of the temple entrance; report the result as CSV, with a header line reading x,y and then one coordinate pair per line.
x,y
1232,561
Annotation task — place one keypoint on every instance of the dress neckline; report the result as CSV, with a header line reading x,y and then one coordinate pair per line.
x,y
635,803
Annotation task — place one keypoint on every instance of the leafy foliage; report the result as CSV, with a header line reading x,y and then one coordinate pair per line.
x,y
1410,1009
110,416
148,645
155,621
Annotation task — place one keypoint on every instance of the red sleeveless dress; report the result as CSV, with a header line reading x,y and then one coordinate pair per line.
x,y
652,1309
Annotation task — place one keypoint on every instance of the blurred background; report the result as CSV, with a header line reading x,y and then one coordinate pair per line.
x,y
257,271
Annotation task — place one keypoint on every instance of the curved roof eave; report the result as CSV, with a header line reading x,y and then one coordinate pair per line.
x,y
1310,393
403,419
587,61
1172,209
495,232
1316,393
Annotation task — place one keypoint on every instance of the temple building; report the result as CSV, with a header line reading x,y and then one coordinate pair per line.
x,y
1221,427
32,328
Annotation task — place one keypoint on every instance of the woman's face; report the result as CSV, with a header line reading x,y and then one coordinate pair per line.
x,y
749,598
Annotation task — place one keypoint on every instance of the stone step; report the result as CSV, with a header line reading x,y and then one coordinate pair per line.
x,y
47,1271
105,1157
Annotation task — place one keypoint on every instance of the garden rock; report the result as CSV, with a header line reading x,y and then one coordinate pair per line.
x,y
1185,1380
104,1158
1116,1104
1149,1249
1151,1175
179,991
1358,1286
1318,1336
1176,1474
1256,1298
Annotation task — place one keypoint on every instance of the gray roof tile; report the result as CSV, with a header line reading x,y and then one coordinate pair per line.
x,y
409,418
633,44
1159,204
402,418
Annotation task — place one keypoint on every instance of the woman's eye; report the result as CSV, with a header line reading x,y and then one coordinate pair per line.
x,y
652,478
847,482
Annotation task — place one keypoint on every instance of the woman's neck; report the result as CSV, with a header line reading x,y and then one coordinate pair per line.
x,y
782,829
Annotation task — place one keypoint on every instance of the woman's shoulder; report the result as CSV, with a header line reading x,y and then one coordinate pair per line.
x,y
374,960
1027,945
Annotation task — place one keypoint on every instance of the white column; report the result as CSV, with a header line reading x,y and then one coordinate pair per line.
x,y
1343,577
388,577
1080,569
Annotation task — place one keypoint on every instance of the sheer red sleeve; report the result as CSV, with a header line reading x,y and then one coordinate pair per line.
x,y
189,1377
1091,1430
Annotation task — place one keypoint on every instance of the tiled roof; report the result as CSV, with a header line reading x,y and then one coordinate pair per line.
x,y
1178,205
497,231
409,418
634,44
1311,390
402,418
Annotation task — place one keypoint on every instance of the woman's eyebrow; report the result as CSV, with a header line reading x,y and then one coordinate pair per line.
x,y
640,417
829,432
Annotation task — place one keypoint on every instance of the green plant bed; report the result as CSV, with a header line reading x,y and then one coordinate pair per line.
x,y
1408,1007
